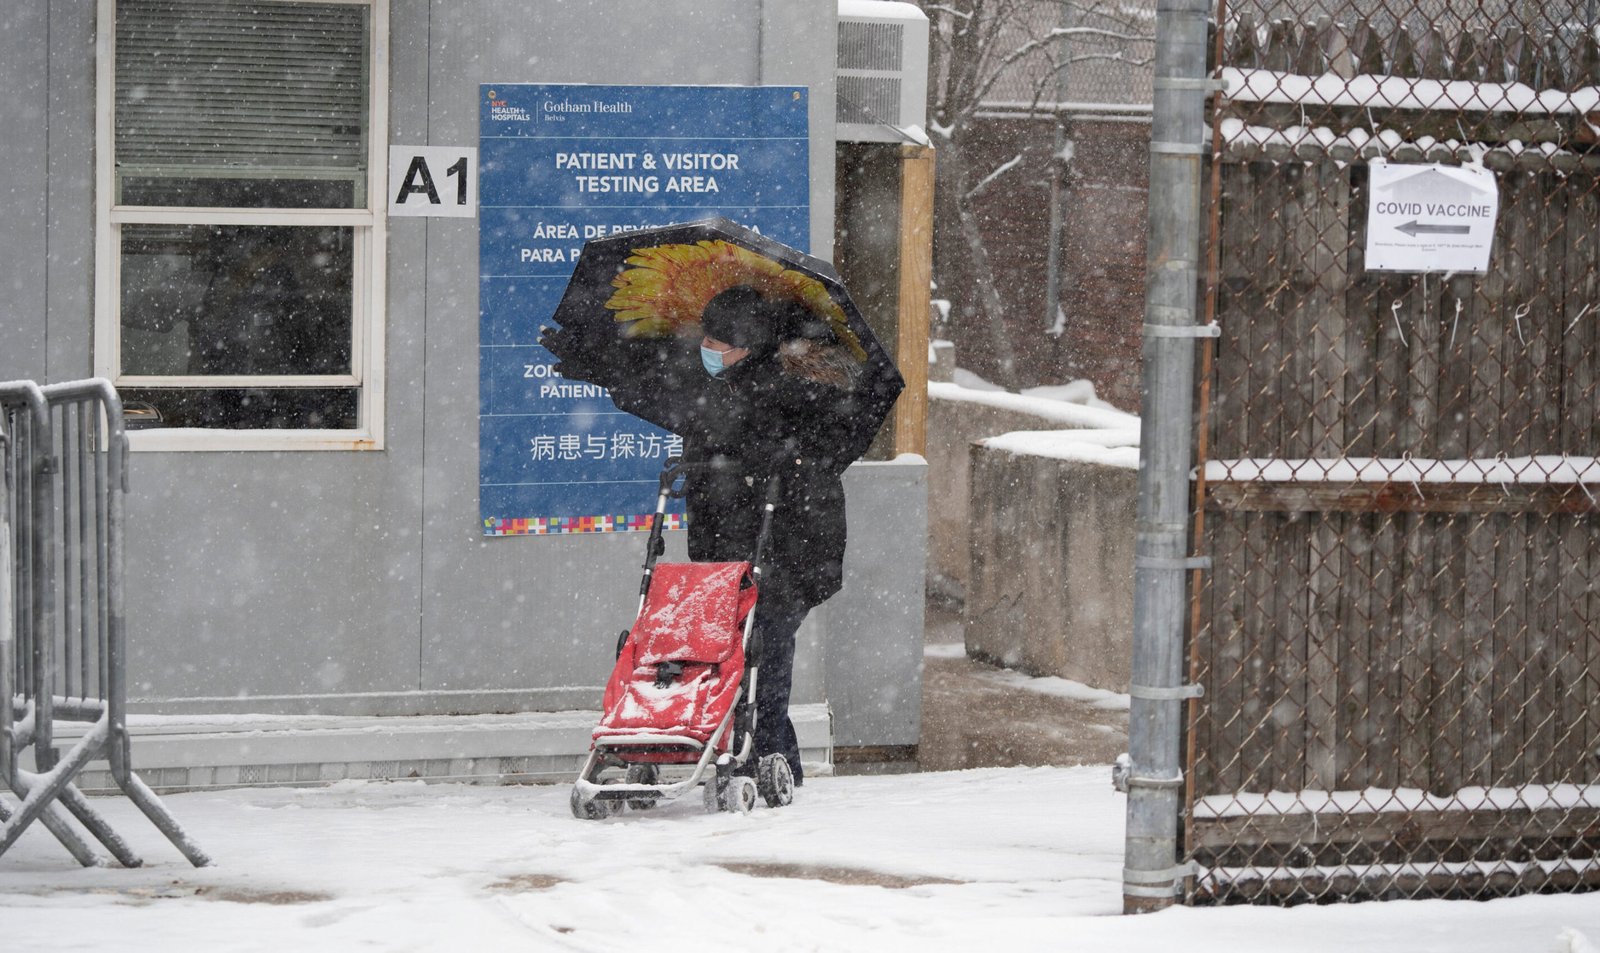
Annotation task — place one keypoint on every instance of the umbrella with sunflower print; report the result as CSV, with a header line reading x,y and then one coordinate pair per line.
x,y
645,291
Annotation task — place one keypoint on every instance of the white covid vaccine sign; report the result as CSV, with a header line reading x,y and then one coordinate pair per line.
x,y
1431,218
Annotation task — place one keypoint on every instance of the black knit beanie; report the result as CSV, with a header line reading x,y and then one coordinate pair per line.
x,y
743,317
739,316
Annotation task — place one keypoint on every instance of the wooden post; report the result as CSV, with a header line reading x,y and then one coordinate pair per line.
x,y
916,271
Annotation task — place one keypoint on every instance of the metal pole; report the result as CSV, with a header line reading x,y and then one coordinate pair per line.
x,y
1152,877
1053,311
8,607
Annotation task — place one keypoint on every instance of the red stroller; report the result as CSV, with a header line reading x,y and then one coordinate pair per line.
x,y
680,705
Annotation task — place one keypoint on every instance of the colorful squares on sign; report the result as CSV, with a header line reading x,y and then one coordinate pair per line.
x,y
559,525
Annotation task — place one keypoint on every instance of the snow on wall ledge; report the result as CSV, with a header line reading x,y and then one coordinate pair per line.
x,y
1114,448
1096,435
1072,414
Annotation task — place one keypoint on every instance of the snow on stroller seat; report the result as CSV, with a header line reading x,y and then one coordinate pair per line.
x,y
682,665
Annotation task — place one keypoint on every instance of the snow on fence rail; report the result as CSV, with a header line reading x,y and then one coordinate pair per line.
x,y
1505,94
1393,92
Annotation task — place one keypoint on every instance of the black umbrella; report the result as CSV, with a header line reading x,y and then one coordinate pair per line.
x,y
642,293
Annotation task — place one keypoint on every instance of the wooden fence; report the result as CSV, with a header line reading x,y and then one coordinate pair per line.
x,y
1399,640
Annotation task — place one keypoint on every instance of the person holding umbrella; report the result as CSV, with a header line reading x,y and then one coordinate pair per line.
x,y
770,386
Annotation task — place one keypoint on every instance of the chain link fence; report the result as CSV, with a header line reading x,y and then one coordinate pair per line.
x,y
1399,637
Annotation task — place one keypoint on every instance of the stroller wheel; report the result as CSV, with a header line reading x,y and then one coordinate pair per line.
x,y
643,774
712,794
775,780
587,809
740,797
736,794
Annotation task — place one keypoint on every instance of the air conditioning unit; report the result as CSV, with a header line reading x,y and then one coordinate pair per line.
x,y
882,74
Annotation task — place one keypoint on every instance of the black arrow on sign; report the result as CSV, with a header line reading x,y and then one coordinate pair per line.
x,y
1413,229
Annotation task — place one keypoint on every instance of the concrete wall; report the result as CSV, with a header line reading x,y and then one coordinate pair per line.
x,y
359,583
1051,584
1037,551
952,427
953,424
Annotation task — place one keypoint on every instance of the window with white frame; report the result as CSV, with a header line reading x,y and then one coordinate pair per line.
x,y
241,230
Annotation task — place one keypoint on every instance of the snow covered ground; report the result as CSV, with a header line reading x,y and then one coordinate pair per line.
x,y
992,859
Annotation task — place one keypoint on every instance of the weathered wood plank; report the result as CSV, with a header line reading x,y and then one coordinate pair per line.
x,y
1547,642
1580,319
1491,324
1220,710
1311,382
1547,320
1389,645
1243,43
1458,314
1287,686
1353,695
1361,306
1336,253
1570,564
1424,344
1198,731
1526,309
1579,547
1296,396
1255,618
1269,341
1447,708
1241,313
1508,683
1478,658
1416,634
1585,612
1326,572
1261,627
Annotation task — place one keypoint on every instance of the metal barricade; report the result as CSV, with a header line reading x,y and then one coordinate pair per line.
x,y
65,459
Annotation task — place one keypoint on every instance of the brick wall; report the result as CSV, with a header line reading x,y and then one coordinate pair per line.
x,y
1102,255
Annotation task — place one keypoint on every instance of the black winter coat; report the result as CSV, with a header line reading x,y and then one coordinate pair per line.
x,y
743,426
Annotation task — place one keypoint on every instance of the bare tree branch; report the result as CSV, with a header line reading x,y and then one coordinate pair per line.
x,y
1003,168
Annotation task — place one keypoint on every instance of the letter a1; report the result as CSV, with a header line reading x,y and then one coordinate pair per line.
x,y
433,180
419,169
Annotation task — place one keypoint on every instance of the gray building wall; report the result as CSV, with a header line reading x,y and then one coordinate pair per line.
x,y
346,582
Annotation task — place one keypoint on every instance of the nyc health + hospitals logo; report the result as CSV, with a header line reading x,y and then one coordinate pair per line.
x,y
502,111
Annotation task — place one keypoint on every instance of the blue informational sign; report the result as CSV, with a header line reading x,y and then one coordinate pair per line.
x,y
559,164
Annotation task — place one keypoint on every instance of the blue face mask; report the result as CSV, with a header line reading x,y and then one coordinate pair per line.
x,y
712,360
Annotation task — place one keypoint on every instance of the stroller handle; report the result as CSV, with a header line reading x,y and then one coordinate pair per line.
x,y
674,478
674,485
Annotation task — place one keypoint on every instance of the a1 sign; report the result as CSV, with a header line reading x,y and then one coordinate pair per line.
x,y
433,180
